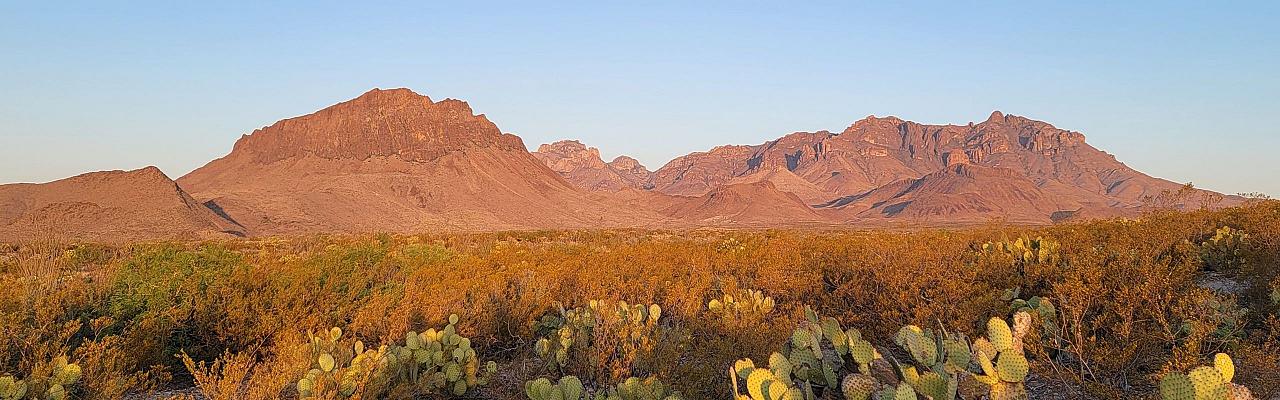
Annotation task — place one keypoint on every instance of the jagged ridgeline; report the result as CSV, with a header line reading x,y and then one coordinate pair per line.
x,y
398,161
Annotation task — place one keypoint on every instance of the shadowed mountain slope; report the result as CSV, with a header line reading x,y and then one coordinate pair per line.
x,y
107,206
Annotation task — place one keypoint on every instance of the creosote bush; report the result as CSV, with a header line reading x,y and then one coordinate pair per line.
x,y
1114,305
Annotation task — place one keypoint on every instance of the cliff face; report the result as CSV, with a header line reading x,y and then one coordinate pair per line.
x,y
379,123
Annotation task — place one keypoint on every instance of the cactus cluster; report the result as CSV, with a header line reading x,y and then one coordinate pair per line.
x,y
432,361
1225,250
558,333
815,351
1040,309
1025,251
749,303
1001,358
569,331
338,371
570,387
634,388
1227,318
772,383
441,360
941,365
810,365
12,388
1205,383
50,382
731,245
941,357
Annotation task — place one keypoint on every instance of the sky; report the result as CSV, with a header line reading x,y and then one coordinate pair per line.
x,y
1184,91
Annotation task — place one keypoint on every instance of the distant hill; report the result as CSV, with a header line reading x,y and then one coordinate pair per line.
x,y
108,206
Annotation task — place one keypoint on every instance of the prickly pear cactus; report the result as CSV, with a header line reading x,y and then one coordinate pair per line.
x,y
566,340
941,356
441,361
52,381
634,388
1225,250
815,351
434,361
12,388
568,388
1024,252
940,364
773,383
1000,357
1205,383
900,392
341,371
1041,311
749,305
858,386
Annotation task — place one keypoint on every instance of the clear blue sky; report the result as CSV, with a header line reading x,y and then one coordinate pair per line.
x,y
1184,91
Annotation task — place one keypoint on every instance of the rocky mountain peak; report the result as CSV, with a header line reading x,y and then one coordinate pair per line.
x,y
582,166
379,123
386,97
568,155
626,163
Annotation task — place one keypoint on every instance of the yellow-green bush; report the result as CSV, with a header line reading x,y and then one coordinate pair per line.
x,y
1128,303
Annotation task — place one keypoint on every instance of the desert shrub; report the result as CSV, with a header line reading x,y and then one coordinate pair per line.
x,y
1129,301
109,370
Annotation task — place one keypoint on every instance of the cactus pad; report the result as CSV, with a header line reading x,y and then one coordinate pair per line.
x,y
1225,367
756,381
933,385
326,362
1208,384
999,333
862,352
857,386
1012,367
1176,386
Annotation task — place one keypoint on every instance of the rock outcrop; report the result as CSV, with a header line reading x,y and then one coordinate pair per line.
x,y
636,173
583,167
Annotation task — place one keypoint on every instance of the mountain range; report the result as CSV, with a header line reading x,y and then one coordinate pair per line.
x,y
394,160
